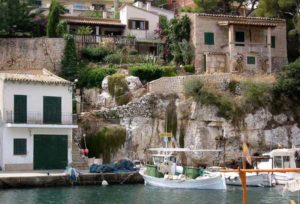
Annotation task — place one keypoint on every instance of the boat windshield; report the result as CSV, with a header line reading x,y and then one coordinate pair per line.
x,y
286,162
277,162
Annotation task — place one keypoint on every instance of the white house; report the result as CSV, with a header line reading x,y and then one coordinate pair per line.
x,y
36,120
141,21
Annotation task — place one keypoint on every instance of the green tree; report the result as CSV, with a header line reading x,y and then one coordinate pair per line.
x,y
15,18
55,10
289,10
70,61
288,83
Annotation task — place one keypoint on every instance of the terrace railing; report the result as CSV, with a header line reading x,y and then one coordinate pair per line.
x,y
40,118
96,39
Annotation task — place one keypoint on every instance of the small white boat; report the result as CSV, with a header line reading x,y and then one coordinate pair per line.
x,y
171,174
208,181
253,179
282,159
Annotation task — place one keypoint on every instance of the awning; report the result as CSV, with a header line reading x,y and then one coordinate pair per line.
x,y
92,21
247,23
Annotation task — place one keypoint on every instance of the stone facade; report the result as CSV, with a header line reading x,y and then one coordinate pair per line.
x,y
263,39
28,53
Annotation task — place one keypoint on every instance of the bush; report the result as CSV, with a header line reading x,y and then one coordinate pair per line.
x,y
105,142
149,72
288,83
133,52
189,68
118,88
55,10
93,77
195,88
256,95
96,53
232,86
84,30
61,28
119,58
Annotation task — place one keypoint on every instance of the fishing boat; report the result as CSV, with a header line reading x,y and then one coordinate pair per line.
x,y
253,179
166,173
282,159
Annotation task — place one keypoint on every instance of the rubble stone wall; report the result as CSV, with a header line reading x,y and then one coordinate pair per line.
x,y
31,53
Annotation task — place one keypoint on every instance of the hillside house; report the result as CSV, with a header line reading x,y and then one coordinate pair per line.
x,y
36,120
225,43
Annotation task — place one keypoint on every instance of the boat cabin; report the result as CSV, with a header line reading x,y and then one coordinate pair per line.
x,y
286,158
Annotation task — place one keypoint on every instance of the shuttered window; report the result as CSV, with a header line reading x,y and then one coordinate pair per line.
x,y
209,38
20,147
250,60
273,42
138,25
240,38
52,110
20,108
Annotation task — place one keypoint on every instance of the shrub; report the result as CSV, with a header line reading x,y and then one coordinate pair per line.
x,y
133,52
118,88
149,72
84,30
105,142
189,68
195,88
61,28
93,77
232,86
288,83
115,58
255,95
96,53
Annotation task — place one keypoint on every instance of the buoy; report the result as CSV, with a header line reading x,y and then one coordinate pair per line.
x,y
86,152
104,183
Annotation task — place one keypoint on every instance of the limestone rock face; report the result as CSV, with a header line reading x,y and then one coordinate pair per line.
x,y
134,83
197,127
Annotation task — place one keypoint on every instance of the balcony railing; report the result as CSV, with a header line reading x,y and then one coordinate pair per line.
x,y
96,39
40,118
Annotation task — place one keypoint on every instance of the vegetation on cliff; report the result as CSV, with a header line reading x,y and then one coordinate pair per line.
x,y
118,88
55,10
105,142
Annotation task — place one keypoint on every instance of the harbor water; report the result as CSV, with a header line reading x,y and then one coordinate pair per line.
x,y
142,194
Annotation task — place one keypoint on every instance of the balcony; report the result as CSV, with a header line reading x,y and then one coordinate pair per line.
x,y
38,119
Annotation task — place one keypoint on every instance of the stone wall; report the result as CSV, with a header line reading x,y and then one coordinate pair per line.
x,y
175,85
25,53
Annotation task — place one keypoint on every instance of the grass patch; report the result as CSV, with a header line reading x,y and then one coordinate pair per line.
x,y
118,88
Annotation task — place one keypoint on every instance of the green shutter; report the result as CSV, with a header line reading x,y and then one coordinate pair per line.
x,y
20,108
250,60
273,42
20,147
239,37
52,110
209,38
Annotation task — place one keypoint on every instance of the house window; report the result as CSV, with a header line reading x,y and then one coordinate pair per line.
x,y
20,147
20,108
209,38
138,24
52,110
273,42
240,38
250,60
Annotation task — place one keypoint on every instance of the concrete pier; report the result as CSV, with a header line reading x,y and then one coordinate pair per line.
x,y
42,179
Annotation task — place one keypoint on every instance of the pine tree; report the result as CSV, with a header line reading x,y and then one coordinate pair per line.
x,y
69,61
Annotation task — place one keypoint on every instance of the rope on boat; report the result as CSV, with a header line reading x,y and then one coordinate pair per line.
x,y
127,177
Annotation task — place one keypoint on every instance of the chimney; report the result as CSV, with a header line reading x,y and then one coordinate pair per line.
x,y
148,6
138,4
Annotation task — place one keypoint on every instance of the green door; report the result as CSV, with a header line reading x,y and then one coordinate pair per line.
x,y
20,108
50,152
52,110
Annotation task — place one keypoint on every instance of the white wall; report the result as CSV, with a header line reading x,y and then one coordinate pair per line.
x,y
35,93
28,133
130,12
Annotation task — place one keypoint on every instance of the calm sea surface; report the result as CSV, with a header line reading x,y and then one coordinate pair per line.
x,y
141,194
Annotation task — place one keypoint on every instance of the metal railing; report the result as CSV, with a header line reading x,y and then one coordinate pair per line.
x,y
96,39
40,118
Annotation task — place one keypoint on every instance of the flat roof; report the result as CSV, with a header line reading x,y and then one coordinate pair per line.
x,y
240,17
31,76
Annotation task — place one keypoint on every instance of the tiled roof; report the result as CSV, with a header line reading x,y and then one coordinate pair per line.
x,y
248,23
92,21
32,75
241,17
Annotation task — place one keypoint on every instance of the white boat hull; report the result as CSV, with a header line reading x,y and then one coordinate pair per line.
x,y
216,181
284,178
260,180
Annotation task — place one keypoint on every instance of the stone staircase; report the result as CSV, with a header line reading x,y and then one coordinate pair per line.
x,y
78,162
